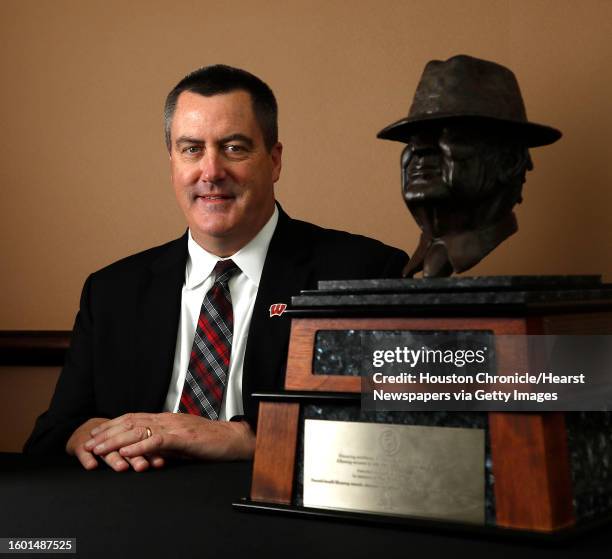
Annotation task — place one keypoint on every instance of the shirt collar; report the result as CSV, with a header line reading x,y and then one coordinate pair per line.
x,y
250,258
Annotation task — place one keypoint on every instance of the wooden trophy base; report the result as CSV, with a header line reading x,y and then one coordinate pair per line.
x,y
545,472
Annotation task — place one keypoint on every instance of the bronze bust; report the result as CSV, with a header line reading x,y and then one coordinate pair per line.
x,y
465,161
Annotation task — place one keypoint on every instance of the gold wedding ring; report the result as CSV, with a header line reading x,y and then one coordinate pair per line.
x,y
149,432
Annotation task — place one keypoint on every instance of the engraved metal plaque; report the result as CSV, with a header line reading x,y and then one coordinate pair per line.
x,y
405,470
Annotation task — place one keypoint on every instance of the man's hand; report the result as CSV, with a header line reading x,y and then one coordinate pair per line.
x,y
172,434
76,447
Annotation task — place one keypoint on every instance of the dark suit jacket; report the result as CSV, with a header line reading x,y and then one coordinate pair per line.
x,y
123,343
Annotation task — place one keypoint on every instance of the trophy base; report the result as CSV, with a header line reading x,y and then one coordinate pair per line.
x,y
545,473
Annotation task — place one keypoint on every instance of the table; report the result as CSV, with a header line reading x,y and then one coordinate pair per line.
x,y
185,510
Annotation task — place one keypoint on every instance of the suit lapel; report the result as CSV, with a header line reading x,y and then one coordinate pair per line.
x,y
287,270
159,312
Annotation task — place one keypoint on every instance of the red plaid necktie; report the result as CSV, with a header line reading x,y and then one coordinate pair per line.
x,y
212,346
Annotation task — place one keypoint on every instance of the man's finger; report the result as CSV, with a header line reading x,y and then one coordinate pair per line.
x,y
87,459
103,444
116,462
107,434
156,461
138,463
151,445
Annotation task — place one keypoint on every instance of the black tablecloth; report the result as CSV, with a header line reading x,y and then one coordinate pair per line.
x,y
185,510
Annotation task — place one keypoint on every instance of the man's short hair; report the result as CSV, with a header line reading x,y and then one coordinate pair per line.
x,y
219,78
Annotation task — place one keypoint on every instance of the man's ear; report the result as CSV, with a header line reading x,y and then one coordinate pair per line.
x,y
276,154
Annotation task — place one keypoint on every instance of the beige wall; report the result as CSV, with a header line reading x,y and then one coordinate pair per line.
x,y
84,174
25,393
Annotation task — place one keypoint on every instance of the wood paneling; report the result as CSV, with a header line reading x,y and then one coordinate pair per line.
x,y
275,452
33,347
533,487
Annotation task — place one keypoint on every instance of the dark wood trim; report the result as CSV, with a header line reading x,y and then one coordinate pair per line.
x,y
275,452
33,347
533,483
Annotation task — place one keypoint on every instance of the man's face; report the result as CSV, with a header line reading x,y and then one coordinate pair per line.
x,y
222,173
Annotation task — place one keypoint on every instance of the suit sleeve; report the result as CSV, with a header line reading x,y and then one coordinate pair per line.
x,y
73,401
395,264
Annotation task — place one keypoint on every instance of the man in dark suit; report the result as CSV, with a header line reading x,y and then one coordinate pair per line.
x,y
132,351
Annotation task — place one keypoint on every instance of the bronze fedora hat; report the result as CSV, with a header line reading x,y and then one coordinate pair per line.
x,y
470,89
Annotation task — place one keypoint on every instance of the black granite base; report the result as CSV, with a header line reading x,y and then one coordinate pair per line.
x,y
457,293
349,352
590,445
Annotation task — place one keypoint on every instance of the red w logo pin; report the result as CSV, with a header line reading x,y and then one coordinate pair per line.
x,y
277,309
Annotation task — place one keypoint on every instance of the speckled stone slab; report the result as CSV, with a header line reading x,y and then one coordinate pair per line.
x,y
470,298
467,283
349,352
452,292
589,436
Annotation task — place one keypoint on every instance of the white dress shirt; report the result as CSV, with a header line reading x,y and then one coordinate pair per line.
x,y
243,288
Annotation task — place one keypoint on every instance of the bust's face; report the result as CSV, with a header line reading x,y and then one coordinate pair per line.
x,y
446,173
443,163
